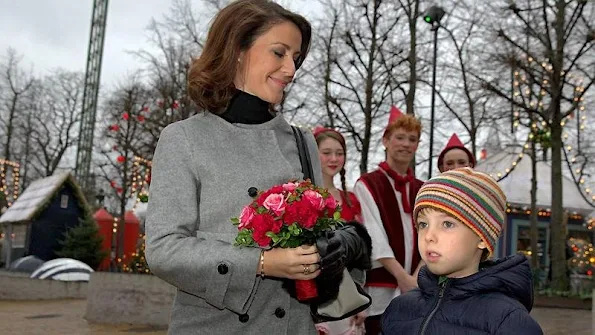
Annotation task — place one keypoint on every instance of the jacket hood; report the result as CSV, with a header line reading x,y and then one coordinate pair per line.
x,y
511,276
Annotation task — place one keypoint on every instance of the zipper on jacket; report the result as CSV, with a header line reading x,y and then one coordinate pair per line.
x,y
424,324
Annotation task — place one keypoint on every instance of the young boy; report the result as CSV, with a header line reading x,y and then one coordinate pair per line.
x,y
459,216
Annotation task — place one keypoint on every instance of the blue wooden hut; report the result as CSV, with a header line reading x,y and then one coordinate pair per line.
x,y
38,219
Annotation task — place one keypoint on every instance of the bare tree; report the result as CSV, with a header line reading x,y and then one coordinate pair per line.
x,y
52,122
123,133
411,9
14,84
360,57
123,116
177,37
561,39
459,90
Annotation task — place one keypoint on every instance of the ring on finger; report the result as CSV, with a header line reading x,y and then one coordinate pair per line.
x,y
307,269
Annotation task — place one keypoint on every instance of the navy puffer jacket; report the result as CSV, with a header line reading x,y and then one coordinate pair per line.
x,y
496,300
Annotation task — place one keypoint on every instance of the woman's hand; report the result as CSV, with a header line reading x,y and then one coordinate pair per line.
x,y
358,319
293,263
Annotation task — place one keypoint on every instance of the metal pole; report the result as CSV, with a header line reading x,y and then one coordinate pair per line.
x,y
433,106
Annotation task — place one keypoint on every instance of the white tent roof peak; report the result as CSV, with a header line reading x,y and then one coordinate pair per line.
x,y
517,184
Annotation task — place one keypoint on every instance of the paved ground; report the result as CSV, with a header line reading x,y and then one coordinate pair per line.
x,y
64,317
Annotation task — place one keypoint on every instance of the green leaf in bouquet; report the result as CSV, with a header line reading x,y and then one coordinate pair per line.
x,y
235,221
261,210
244,238
337,215
273,237
297,230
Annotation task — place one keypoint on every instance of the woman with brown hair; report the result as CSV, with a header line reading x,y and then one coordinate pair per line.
x,y
208,167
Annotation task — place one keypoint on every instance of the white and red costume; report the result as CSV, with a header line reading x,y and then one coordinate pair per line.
x,y
387,200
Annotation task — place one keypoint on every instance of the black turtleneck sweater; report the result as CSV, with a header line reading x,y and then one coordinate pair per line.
x,y
246,108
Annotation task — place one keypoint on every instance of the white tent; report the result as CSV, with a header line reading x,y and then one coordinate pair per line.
x,y
65,269
517,184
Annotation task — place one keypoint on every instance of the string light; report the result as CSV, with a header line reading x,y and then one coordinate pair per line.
x,y
10,169
501,175
583,260
141,178
578,99
541,212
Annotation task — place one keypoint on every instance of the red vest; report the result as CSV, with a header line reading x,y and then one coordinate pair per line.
x,y
384,195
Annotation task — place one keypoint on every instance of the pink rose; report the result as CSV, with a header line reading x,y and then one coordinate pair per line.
x,y
331,203
290,187
315,199
275,203
246,217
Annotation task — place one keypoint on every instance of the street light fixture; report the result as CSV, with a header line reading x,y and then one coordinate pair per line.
x,y
100,197
433,16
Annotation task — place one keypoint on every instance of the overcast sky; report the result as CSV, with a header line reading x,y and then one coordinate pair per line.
x,y
55,33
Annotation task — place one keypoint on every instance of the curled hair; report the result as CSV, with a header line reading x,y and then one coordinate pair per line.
x,y
322,135
407,122
234,29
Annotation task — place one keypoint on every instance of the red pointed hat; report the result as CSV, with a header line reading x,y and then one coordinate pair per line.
x,y
455,143
395,113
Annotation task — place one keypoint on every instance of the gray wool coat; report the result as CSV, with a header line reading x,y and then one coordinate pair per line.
x,y
201,172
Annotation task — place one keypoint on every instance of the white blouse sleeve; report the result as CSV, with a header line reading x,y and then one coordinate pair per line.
x,y
371,219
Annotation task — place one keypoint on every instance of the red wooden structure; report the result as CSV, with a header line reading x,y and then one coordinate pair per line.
x,y
131,235
107,225
105,221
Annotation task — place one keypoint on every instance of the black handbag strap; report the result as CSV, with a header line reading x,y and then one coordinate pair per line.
x,y
304,154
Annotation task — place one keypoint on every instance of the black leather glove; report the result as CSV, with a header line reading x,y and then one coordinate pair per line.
x,y
350,246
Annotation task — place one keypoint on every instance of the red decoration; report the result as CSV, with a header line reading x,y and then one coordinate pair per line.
x,y
119,190
175,105
112,184
146,109
114,127
160,103
121,159
115,147
140,118
306,289
148,177
483,154
126,116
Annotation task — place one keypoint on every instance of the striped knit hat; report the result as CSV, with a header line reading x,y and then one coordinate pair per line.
x,y
472,197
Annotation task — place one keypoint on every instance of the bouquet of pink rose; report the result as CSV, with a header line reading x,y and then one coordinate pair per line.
x,y
287,216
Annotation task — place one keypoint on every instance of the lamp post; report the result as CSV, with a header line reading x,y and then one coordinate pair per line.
x,y
433,16
100,197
